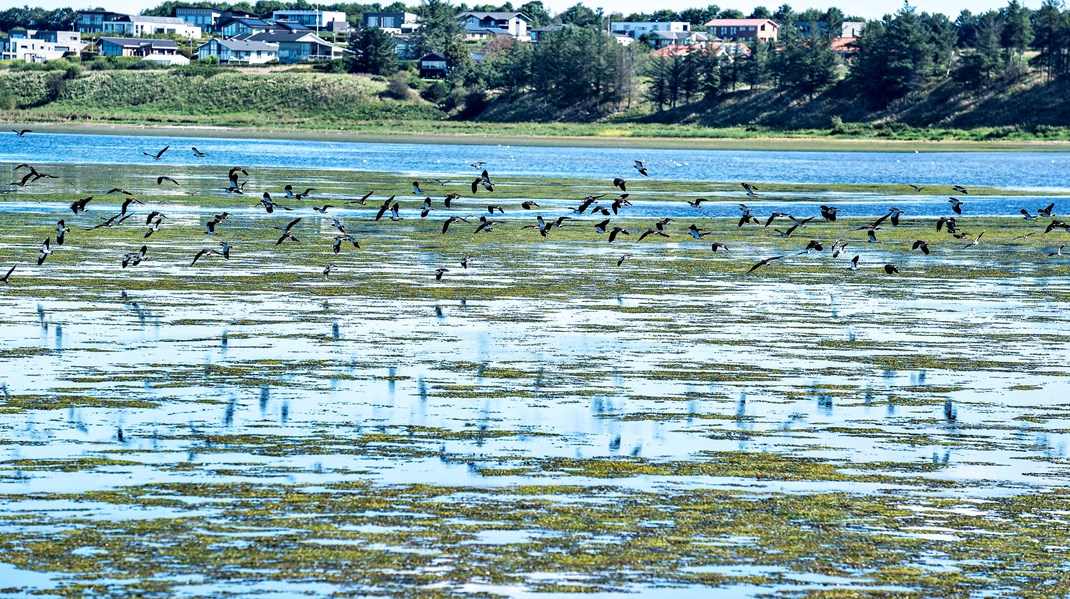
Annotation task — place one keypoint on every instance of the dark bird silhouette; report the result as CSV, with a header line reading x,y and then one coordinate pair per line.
x,y
198,154
854,263
620,184
162,178
956,205
287,236
61,230
126,204
652,231
201,253
1026,214
601,227
587,203
622,259
439,272
697,203
1057,224
451,220
917,188
485,225
154,227
960,189
891,269
135,258
449,200
750,189
976,240
416,189
717,245
157,155
1058,252
394,216
363,200
921,245
384,208
270,205
338,239
762,263
620,203
528,205
322,209
7,277
697,233
872,236
813,245
478,165
829,213
617,231
483,180
215,220
493,207
639,167
1047,210
601,210
46,251
22,132
119,190
289,225
79,205
289,189
464,262
326,272
949,221
774,216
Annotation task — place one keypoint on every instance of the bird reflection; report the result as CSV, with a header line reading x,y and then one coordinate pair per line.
x,y
950,413
228,414
334,330
265,397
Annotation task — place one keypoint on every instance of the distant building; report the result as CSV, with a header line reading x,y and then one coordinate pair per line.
x,y
139,26
244,26
637,29
744,30
298,46
539,33
845,47
391,22
516,23
92,21
729,50
475,33
661,39
404,46
239,51
851,28
288,26
205,18
40,46
164,51
314,19
433,66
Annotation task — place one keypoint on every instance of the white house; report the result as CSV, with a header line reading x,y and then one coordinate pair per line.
x,y
234,51
637,29
516,23
397,23
851,28
138,26
40,46
163,51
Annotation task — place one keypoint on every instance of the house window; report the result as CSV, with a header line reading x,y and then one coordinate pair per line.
x,y
763,27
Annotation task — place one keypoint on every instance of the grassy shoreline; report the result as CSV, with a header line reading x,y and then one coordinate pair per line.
x,y
507,134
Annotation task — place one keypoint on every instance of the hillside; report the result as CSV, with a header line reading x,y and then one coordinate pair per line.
x,y
189,96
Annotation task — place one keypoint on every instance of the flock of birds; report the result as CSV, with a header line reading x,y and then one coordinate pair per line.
x,y
593,205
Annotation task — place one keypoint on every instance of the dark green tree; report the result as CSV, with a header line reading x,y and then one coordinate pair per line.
x,y
372,51
439,27
1017,32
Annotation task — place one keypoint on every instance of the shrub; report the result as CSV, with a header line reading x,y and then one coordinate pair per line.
x,y
398,86
436,92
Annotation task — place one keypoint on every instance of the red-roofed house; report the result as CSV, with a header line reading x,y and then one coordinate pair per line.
x,y
744,30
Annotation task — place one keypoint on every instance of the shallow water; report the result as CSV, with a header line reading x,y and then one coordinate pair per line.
x,y
542,423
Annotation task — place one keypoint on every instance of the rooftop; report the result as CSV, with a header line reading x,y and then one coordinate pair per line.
x,y
499,16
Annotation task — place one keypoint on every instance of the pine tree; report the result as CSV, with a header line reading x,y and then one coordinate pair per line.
x,y
371,51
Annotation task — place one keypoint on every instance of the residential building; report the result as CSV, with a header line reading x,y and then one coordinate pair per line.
x,y
205,18
845,47
313,19
92,21
516,23
40,46
288,26
404,46
240,26
298,46
637,29
661,39
744,30
476,33
138,26
234,51
539,33
851,28
165,51
433,66
391,22
729,50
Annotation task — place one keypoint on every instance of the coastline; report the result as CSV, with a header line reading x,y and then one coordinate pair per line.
x,y
798,144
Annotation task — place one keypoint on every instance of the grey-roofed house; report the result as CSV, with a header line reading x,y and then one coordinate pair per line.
x,y
516,23
235,51
661,39
475,33
243,26
433,66
296,46
164,51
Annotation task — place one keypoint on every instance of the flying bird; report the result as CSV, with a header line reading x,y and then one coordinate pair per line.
x,y
439,272
750,189
201,253
12,269
960,189
338,239
135,258
891,269
22,132
157,155
620,184
829,213
198,154
46,251
762,263
289,189
617,231
162,178
919,244
956,205
79,205
384,208
976,240
639,167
